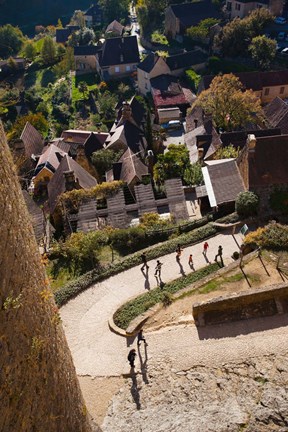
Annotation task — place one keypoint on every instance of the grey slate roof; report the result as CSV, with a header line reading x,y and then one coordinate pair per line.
x,y
191,14
226,182
56,185
120,50
186,60
86,50
32,139
276,113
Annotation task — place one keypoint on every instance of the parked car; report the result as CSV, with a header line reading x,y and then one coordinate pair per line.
x,y
172,125
280,20
284,51
281,36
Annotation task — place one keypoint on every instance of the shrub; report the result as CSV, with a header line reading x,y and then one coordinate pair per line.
x,y
73,288
167,299
235,255
193,79
272,236
129,311
247,204
279,200
231,218
159,38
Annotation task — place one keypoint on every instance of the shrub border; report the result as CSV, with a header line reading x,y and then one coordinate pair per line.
x,y
75,287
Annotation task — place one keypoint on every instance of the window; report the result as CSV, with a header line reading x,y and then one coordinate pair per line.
x,y
237,6
117,69
266,92
282,90
128,68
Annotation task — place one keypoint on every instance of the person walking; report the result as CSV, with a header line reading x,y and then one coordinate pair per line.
x,y
179,250
144,261
190,260
219,254
178,255
205,248
140,338
158,268
131,357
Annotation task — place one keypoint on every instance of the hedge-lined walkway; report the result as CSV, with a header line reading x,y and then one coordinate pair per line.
x,y
95,349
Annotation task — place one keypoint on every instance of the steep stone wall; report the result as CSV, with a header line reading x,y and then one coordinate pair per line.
x,y
39,390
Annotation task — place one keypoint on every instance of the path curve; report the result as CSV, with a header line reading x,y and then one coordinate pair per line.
x,y
95,349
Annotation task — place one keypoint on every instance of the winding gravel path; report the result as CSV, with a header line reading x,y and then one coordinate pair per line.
x,y
99,352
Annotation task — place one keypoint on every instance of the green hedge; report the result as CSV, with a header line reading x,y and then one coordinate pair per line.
x,y
129,311
73,288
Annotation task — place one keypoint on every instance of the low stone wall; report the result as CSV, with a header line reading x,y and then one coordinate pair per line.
x,y
267,301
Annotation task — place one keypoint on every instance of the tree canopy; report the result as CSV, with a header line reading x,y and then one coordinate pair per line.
x,y
37,120
104,159
48,51
247,204
238,33
263,51
231,106
11,40
176,163
201,31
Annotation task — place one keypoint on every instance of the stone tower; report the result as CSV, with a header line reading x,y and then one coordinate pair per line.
x,y
39,390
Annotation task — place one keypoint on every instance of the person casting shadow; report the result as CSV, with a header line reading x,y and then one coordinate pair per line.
x,y
146,276
143,364
134,389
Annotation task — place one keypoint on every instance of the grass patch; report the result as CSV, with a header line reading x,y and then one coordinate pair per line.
x,y
89,79
210,286
129,311
234,278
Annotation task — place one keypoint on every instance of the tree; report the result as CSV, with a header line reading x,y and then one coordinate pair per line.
x,y
173,164
106,105
67,64
237,34
247,204
30,51
226,152
78,18
11,40
201,31
123,89
48,51
114,8
34,350
83,88
193,174
37,120
104,159
263,51
231,106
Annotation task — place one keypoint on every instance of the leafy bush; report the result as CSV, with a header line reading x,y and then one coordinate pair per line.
x,y
272,236
193,78
247,204
159,38
167,299
75,287
235,255
279,200
231,218
141,304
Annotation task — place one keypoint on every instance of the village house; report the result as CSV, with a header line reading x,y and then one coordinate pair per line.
x,y
85,58
118,57
241,8
94,15
68,176
154,65
266,85
179,17
263,165
114,29
167,92
47,164
63,34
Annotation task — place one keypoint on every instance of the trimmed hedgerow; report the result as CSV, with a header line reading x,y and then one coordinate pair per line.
x,y
73,288
129,311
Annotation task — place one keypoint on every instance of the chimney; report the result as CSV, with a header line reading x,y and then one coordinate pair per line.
x,y
200,154
251,144
126,111
70,181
